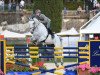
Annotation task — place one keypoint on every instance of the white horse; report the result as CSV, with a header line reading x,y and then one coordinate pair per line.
x,y
40,35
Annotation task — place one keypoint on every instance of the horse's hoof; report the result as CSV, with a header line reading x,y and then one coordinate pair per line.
x,y
62,63
57,65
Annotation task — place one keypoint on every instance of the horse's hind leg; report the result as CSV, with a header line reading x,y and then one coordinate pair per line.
x,y
62,61
56,62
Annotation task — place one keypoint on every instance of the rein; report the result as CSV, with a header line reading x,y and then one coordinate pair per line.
x,y
33,28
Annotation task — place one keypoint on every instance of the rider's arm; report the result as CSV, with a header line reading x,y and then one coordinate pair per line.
x,y
45,19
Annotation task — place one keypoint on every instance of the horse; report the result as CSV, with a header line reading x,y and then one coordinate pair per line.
x,y
41,36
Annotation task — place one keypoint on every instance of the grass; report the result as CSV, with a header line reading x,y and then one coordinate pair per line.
x,y
70,60
64,60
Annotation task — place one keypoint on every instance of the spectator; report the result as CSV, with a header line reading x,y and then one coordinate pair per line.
x,y
3,5
17,7
0,5
97,5
79,10
13,7
22,4
65,10
97,8
87,9
24,18
9,6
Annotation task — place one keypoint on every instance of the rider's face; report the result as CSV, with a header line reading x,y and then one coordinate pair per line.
x,y
37,14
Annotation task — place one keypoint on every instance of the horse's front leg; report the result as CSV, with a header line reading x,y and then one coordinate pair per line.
x,y
55,61
62,57
62,61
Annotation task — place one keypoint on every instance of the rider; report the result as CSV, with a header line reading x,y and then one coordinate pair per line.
x,y
43,19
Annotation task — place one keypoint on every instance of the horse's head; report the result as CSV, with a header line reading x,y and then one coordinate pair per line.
x,y
33,22
38,30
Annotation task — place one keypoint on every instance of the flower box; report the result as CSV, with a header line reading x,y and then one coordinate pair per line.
x,y
95,71
85,72
83,69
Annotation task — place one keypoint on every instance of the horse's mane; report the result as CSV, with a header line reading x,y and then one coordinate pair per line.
x,y
36,20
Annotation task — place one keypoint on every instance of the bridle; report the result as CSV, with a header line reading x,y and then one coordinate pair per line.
x,y
35,26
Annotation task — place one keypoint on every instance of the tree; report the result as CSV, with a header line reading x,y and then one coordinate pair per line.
x,y
52,9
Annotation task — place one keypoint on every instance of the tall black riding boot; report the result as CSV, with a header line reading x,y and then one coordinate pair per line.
x,y
50,32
